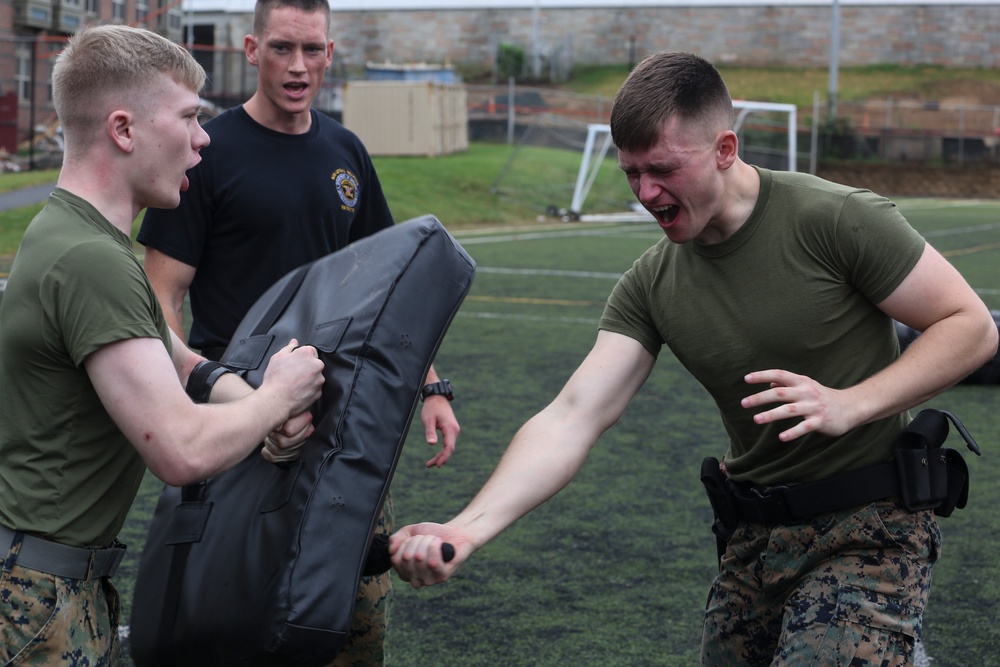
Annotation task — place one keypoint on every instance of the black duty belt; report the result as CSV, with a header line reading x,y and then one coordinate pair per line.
x,y
784,504
58,559
923,475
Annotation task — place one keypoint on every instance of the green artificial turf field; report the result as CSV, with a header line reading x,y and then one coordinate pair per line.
x,y
615,570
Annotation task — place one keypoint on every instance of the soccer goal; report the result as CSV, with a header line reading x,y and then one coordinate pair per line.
x,y
768,138
541,169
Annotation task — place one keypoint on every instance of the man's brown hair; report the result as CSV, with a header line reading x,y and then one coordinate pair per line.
x,y
663,86
262,11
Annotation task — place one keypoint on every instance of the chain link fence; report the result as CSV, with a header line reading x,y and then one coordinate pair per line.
x,y
884,131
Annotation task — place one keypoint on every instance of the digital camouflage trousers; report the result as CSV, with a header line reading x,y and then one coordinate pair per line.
x,y
47,621
846,588
365,646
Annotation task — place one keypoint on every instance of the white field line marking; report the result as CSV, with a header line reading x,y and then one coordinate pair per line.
x,y
963,230
930,204
632,229
534,236
548,272
608,275
589,321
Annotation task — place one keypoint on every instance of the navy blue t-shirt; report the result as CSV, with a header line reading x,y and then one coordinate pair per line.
x,y
260,204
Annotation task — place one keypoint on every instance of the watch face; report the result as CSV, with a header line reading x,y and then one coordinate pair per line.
x,y
440,388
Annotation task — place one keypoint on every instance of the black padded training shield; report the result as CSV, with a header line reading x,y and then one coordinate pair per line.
x,y
260,565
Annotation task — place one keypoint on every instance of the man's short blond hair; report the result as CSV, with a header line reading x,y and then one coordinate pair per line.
x,y
115,65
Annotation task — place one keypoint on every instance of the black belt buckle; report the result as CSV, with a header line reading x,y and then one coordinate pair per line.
x,y
104,562
772,505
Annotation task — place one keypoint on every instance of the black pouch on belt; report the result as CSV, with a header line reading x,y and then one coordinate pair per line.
x,y
931,476
726,516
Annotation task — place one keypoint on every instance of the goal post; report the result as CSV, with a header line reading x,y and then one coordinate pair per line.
x,y
598,145
791,123
589,167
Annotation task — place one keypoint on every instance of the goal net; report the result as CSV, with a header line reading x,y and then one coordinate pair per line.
x,y
541,168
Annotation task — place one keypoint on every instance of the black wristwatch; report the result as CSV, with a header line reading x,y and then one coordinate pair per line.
x,y
440,388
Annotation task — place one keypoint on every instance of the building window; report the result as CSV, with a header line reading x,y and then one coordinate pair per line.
x,y
93,7
23,75
118,10
141,11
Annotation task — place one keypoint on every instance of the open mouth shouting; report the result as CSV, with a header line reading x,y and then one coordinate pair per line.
x,y
666,214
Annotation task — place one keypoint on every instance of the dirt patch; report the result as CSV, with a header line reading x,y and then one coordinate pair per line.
x,y
980,181
967,91
970,92
902,179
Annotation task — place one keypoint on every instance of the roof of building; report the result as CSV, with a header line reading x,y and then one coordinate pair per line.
x,y
244,6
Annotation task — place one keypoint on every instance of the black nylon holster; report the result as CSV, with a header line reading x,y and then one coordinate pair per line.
x,y
923,475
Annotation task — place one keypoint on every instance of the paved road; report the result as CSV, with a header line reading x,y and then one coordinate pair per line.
x,y
25,196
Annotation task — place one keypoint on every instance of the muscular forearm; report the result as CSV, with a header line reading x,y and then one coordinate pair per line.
x,y
174,318
204,440
543,457
183,358
959,335
545,454
229,387
940,357
210,438
551,447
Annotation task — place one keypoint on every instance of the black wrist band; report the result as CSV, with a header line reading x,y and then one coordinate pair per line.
x,y
203,378
439,388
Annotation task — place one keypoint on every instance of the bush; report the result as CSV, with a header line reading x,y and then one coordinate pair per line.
x,y
510,61
837,139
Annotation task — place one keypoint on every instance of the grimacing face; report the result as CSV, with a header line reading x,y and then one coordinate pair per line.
x,y
677,181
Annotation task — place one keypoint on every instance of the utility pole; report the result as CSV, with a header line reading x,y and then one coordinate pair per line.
x,y
31,111
834,60
190,26
536,47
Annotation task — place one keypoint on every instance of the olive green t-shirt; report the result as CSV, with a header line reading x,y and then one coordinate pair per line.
x,y
796,289
66,471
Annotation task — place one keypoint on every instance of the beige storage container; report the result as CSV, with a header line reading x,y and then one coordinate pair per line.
x,y
425,118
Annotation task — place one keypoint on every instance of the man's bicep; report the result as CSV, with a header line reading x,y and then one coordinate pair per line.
x,y
608,378
932,291
138,386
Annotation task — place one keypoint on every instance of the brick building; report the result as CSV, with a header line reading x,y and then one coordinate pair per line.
x,y
33,31
554,34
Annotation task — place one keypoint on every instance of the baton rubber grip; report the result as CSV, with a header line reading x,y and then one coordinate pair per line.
x,y
378,561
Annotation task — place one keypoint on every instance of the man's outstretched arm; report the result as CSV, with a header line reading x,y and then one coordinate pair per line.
x,y
543,457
